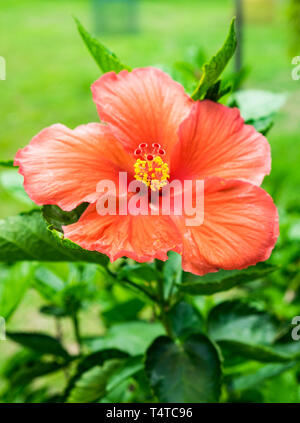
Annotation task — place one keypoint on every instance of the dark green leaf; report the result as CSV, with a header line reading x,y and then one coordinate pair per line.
x,y
7,163
185,319
106,60
40,343
139,273
32,370
216,91
98,358
243,330
57,218
215,67
53,311
187,372
223,280
26,237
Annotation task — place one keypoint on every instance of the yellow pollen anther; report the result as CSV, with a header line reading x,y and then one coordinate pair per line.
x,y
154,173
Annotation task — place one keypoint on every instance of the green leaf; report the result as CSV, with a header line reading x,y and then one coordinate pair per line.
x,y
12,183
139,273
258,104
106,60
7,163
258,108
223,280
187,372
131,337
128,368
255,379
92,384
14,282
54,311
26,237
47,283
40,343
97,358
212,70
139,277
172,272
128,310
216,91
185,319
30,371
56,217
94,359
243,330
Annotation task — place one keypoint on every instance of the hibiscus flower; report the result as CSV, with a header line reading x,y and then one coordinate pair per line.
x,y
152,130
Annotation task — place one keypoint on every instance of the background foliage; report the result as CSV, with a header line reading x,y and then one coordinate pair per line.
x,y
82,330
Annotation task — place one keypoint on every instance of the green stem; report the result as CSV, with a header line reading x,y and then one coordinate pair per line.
x,y
77,332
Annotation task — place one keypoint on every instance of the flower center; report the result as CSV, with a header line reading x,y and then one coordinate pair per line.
x,y
150,167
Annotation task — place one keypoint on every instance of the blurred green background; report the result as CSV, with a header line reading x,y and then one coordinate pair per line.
x,y
49,73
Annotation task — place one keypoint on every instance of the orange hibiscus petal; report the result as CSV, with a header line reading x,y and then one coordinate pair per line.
x,y
141,238
240,228
214,141
143,106
63,166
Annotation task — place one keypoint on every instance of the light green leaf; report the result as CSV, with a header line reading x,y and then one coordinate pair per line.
x,y
26,237
223,280
258,108
96,358
12,183
255,379
14,282
92,384
258,104
172,272
127,369
187,372
106,60
212,70
125,311
131,337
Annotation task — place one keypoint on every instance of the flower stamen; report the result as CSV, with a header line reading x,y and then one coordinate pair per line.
x,y
150,168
